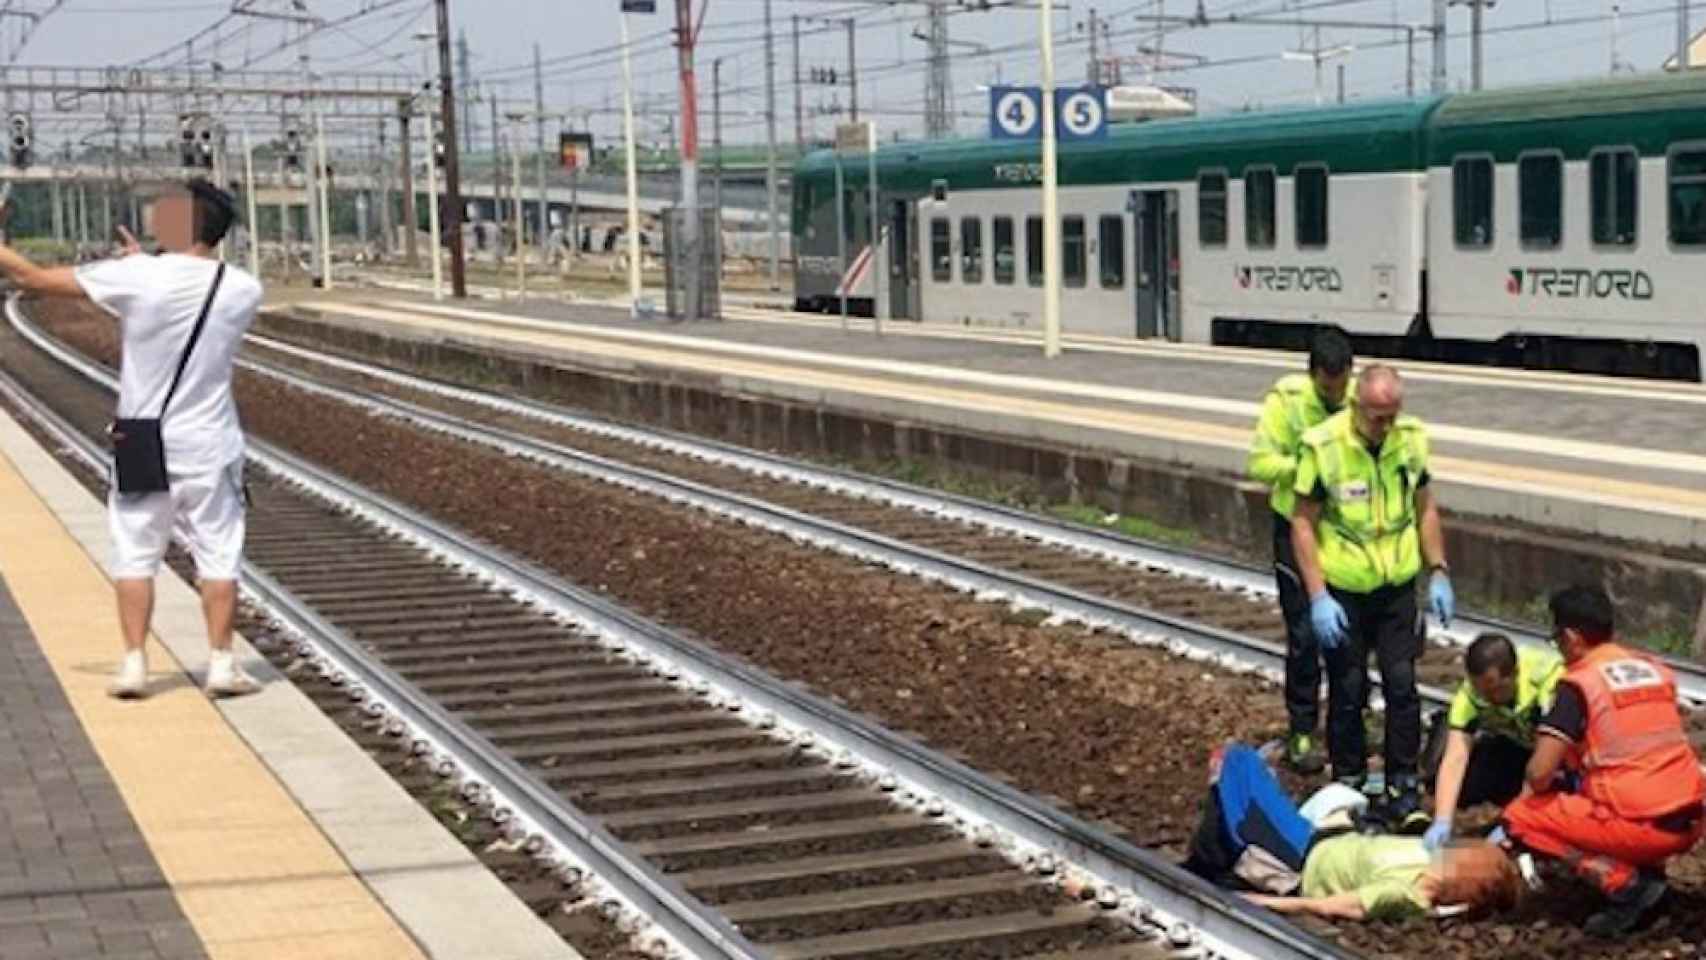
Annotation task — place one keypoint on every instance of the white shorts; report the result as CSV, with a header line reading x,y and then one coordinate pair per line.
x,y
205,510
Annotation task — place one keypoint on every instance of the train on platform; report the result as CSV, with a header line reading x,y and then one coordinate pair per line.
x,y
1559,227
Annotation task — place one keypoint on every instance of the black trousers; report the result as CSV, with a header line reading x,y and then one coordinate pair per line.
x,y
1302,653
1388,624
1497,766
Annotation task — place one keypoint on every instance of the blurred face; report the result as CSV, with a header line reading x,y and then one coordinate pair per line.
x,y
174,222
1330,387
1496,687
1376,411
1479,874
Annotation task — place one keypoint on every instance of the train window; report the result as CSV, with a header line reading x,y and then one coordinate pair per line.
x,y
941,251
1614,183
1034,251
1072,251
1309,200
1110,239
1688,197
1540,190
971,249
1006,255
1259,228
1211,209
1472,201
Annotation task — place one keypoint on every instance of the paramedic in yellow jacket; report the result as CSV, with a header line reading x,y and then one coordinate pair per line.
x,y
1365,527
1296,403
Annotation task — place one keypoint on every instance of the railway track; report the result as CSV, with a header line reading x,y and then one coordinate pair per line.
x,y
1157,578
742,816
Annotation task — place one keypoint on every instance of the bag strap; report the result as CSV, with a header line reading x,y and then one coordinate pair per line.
x,y
200,321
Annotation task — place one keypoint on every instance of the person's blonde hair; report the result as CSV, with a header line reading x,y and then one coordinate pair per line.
x,y
1481,876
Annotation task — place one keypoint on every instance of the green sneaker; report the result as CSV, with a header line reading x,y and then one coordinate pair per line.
x,y
1302,756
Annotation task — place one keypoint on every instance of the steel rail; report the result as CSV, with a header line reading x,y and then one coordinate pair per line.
x,y
1191,912
1103,544
698,929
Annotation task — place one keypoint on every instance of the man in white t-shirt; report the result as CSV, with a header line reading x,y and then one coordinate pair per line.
x,y
157,300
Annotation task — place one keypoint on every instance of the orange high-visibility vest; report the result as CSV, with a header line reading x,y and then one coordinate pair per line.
x,y
1635,757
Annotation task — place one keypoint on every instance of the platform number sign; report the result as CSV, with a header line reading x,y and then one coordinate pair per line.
x,y
1083,113
1015,113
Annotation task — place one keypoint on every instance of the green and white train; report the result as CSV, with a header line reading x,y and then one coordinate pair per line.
x,y
1560,227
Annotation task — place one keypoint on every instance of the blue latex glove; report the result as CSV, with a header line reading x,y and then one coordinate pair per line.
x,y
1441,599
1438,835
1328,620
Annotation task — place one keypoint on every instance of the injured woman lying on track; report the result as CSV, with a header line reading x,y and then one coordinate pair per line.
x,y
1314,860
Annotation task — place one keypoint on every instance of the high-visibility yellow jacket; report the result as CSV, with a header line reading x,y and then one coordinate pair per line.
x,y
1369,535
1290,408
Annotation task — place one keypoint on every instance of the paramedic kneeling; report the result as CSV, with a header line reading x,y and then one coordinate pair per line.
x,y
1614,724
181,317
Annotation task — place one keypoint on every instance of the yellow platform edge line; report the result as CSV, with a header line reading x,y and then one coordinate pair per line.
x,y
252,873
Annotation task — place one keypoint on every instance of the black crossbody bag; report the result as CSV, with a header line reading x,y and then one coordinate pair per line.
x,y
139,452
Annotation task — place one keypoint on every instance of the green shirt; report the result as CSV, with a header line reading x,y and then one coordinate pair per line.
x,y
1384,872
1538,671
1291,407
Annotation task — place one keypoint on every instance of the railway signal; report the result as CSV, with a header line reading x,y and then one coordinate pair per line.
x,y
22,139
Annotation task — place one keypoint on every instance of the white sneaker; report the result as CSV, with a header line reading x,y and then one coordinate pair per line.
x,y
131,680
226,679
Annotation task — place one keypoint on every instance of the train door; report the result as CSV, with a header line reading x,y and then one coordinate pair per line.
x,y
1156,250
903,261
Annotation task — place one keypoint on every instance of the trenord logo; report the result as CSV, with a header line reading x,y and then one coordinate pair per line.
x,y
1572,283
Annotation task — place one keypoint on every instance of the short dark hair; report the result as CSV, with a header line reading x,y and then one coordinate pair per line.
x,y
1585,609
1330,352
1490,650
215,211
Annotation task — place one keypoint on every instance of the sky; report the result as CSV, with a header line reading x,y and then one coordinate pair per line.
x,y
1229,66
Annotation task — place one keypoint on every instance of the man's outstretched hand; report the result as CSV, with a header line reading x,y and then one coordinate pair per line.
x,y
127,244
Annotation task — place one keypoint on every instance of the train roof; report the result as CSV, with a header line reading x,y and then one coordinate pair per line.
x,y
1648,112
1364,137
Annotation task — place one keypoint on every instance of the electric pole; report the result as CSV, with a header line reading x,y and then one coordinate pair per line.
x,y
690,240
1682,37
539,151
1477,13
853,69
497,182
1094,68
452,168
410,218
467,91
717,136
799,94
938,120
770,135
1441,77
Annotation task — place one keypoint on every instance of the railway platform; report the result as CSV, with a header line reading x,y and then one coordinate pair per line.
x,y
178,827
1615,458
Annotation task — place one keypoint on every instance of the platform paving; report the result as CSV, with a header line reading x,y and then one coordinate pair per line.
x,y
77,878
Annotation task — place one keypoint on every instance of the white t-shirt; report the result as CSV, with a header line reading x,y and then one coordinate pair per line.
x,y
156,300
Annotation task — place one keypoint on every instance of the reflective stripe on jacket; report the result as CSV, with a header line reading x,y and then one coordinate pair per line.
x,y
1369,533
1635,757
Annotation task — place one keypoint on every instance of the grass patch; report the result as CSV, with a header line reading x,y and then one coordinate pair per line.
x,y
1138,527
